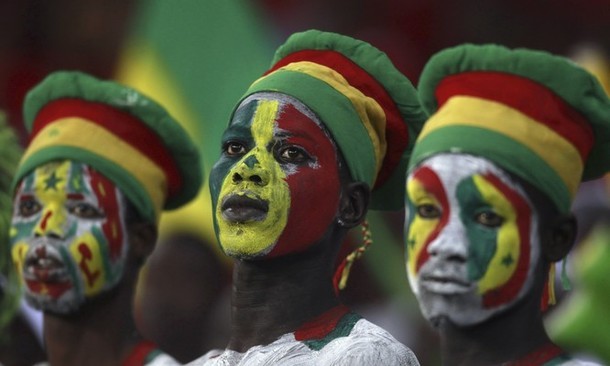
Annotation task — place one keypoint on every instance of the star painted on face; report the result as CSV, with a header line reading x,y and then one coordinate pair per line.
x,y
51,182
508,260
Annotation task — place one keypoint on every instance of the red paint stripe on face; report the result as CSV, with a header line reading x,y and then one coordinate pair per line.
x,y
75,196
511,288
106,194
123,125
314,190
363,81
45,220
432,184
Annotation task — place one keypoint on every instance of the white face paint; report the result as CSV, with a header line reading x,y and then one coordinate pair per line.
x,y
472,239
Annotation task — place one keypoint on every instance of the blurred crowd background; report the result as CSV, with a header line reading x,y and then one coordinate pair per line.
x,y
197,57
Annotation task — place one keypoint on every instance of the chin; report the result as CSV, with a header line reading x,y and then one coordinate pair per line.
x,y
463,310
67,304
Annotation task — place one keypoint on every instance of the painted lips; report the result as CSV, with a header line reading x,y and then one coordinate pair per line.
x,y
445,285
242,209
44,264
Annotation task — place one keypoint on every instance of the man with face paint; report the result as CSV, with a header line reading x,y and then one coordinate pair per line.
x,y
489,188
102,163
327,127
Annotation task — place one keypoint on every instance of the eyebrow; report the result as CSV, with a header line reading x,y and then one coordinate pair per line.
x,y
26,197
233,132
75,196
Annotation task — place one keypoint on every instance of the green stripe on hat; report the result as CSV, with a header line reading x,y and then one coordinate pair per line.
x,y
573,84
334,109
506,152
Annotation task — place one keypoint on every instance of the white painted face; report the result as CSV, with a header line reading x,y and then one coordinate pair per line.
x,y
471,239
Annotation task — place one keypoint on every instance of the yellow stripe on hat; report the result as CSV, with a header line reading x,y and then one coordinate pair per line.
x,y
555,150
370,112
76,132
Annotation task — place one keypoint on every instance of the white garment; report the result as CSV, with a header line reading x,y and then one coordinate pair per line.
x,y
366,344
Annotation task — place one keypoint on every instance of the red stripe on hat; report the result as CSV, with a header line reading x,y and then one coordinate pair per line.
x,y
397,133
525,95
123,125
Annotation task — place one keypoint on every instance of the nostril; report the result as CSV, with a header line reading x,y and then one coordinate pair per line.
x,y
256,179
237,178
53,236
456,258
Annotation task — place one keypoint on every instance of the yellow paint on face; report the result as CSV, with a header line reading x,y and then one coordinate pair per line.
x,y
88,257
499,271
18,253
258,237
419,229
50,186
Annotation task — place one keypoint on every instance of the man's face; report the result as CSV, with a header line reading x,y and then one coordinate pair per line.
x,y
275,188
472,243
68,235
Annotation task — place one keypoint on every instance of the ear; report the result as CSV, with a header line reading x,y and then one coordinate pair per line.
x,y
354,204
561,238
142,239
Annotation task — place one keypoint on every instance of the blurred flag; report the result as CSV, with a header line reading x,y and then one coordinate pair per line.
x,y
196,57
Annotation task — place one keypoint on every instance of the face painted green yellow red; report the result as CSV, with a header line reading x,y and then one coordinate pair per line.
x,y
275,188
68,235
471,238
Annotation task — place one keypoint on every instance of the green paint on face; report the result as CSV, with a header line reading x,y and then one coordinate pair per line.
x,y
483,240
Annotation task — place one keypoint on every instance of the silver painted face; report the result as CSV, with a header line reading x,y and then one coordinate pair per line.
x,y
472,243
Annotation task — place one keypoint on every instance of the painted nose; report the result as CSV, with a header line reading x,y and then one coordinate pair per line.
x,y
51,223
250,170
450,245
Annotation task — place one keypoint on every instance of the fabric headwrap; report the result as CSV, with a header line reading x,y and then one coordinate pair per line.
x,y
125,135
370,108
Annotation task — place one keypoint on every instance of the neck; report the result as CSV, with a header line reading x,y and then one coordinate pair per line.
x,y
274,297
506,337
101,332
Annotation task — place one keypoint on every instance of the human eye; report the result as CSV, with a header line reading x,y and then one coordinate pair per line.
x,y
234,148
292,154
86,211
428,211
28,207
489,219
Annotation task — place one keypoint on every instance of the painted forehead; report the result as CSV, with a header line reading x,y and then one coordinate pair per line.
x,y
457,167
292,113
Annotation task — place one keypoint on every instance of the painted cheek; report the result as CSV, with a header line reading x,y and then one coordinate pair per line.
x,y
508,267
87,256
314,187
424,187
255,238
112,228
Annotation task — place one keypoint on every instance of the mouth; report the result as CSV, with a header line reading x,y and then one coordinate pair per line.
x,y
44,264
445,285
241,209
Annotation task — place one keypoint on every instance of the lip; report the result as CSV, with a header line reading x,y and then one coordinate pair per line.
x,y
238,208
445,285
44,264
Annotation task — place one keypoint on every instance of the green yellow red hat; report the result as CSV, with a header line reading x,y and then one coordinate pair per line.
x,y
370,108
125,135
537,115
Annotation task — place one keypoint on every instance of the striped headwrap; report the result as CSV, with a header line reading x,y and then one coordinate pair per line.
x,y
370,108
539,116
125,135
